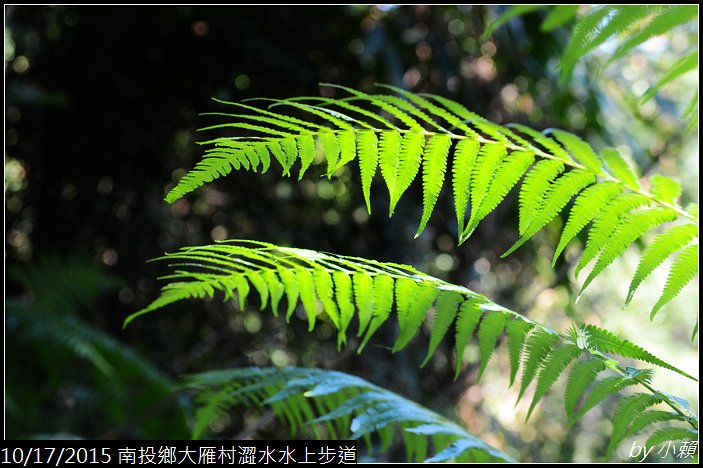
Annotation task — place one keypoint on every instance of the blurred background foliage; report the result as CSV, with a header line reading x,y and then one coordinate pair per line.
x,y
101,115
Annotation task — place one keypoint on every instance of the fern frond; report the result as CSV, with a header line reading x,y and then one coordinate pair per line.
x,y
597,27
352,407
446,310
666,189
647,418
620,168
683,65
557,16
558,195
332,288
534,188
606,342
462,175
626,411
606,222
510,171
324,282
672,434
411,149
665,21
631,25
509,14
486,161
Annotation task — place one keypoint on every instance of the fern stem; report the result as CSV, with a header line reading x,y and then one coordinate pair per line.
x,y
669,403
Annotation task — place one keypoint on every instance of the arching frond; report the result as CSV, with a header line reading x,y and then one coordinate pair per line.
x,y
332,288
353,408
598,26
509,14
557,16
486,161
627,25
75,353
683,65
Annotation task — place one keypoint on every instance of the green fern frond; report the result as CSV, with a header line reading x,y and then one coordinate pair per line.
x,y
672,434
627,409
409,159
446,309
466,322
332,288
486,161
323,284
628,25
606,342
665,189
462,175
509,14
620,168
348,406
684,65
534,188
556,198
661,23
367,146
597,27
647,418
557,16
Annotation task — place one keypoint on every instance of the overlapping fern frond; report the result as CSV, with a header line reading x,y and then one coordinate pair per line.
x,y
407,136
629,25
347,407
336,288
68,350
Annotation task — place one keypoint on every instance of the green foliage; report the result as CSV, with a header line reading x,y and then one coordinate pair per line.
x,y
337,405
48,321
486,161
627,25
322,283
